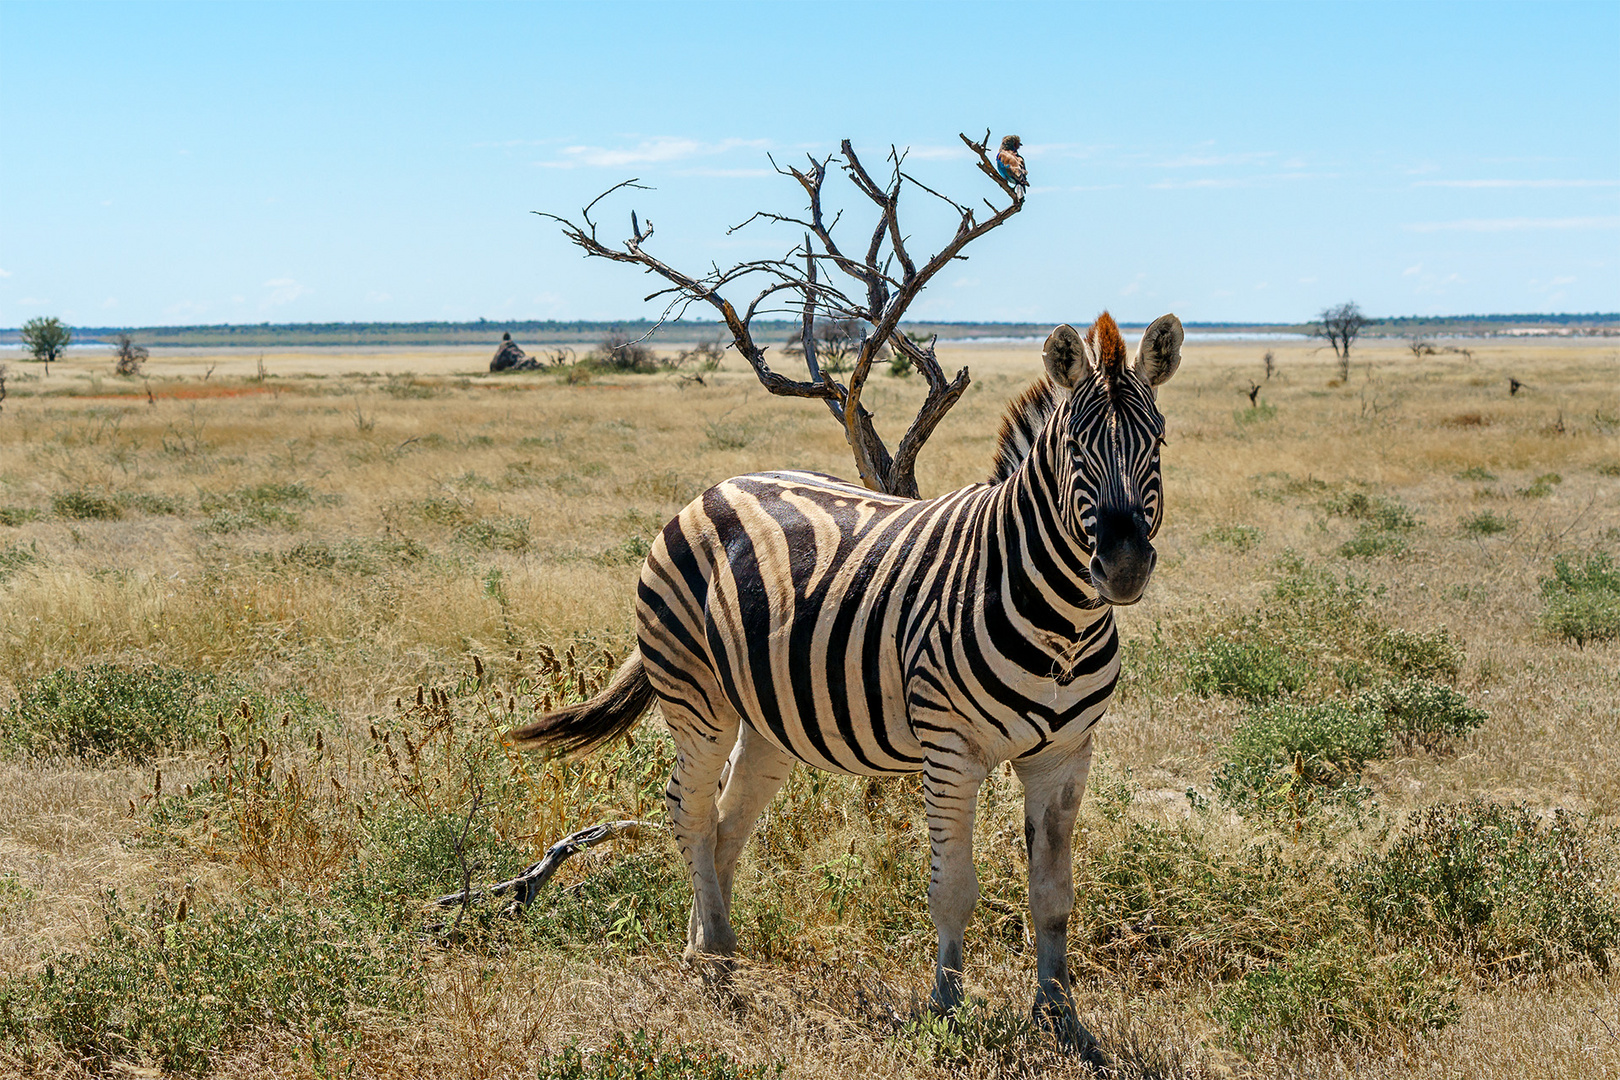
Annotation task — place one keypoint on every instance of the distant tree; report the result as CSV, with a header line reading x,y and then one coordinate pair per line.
x,y
2,384
130,357
1340,325
1420,348
46,338
1271,364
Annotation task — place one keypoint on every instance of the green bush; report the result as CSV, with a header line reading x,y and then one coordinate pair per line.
x,y
85,506
1497,885
1371,542
1384,515
1334,992
639,1056
1161,903
1477,473
1420,712
148,503
1432,655
133,712
976,1034
1581,602
14,557
1237,537
496,534
637,902
1245,666
1541,486
15,516
1486,523
1290,754
176,993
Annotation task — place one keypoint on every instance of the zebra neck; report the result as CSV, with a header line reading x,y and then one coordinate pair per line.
x,y
1042,569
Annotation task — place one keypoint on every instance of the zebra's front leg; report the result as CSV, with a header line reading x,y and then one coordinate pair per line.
x,y
951,791
1053,784
702,745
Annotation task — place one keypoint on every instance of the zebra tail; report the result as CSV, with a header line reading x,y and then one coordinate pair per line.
x,y
587,725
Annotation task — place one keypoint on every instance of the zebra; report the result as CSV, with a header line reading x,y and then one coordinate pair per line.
x,y
788,617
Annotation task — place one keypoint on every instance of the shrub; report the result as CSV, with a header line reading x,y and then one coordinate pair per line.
x,y
1477,473
1497,885
1288,755
1433,655
15,516
509,533
974,1034
1245,666
85,506
1382,514
1336,991
621,352
14,557
1541,486
132,712
1582,602
1237,537
639,1056
1486,523
1158,901
1419,712
1370,542
175,992
148,503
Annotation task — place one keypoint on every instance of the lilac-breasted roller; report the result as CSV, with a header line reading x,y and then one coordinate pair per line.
x,y
1010,164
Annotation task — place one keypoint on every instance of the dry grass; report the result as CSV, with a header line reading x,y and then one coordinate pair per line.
x,y
357,525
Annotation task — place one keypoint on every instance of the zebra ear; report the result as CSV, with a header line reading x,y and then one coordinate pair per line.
x,y
1159,353
1065,357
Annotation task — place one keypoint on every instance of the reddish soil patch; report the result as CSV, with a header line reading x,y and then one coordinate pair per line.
x,y
181,393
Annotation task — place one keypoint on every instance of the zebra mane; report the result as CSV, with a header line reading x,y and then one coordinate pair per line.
x,y
1021,423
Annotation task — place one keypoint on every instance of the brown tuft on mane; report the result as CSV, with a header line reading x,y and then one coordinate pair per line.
x,y
1021,423
1109,346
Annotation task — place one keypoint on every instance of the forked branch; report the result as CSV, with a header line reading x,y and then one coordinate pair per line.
x,y
875,287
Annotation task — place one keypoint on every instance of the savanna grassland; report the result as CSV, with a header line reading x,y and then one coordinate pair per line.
x,y
262,620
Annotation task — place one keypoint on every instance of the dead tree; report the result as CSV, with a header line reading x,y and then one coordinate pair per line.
x,y
819,280
128,357
1341,325
2,385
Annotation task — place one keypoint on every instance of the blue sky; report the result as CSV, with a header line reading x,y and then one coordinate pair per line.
x,y
182,163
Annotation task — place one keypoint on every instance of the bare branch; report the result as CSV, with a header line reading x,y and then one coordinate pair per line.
x,y
888,278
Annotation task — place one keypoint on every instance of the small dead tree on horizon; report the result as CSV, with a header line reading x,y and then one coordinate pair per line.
x,y
818,281
1341,325
129,357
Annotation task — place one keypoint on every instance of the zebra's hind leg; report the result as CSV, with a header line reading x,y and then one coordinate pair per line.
x,y
951,790
1053,784
758,771
702,745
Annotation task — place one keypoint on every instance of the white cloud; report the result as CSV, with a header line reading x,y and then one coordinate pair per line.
x,y
1513,224
1194,161
1516,183
110,302
5,273
1416,268
282,291
725,173
656,150
376,297
31,301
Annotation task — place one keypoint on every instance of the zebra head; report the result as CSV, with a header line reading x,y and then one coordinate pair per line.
x,y
1113,483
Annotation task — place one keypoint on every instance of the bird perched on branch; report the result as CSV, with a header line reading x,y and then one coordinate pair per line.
x,y
1010,164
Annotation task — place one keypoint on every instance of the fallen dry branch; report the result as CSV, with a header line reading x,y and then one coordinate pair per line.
x,y
527,885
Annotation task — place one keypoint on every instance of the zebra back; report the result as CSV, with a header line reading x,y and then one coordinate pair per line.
x,y
1022,422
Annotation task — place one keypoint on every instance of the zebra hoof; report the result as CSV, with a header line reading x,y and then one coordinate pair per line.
x,y
1072,1036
